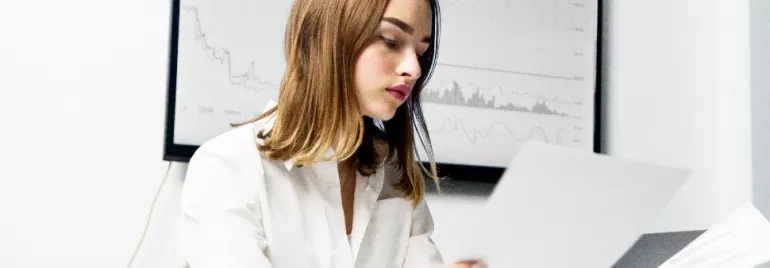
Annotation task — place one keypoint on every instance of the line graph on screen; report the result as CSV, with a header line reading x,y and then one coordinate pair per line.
x,y
223,56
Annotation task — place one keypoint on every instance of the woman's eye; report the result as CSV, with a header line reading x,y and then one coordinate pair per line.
x,y
390,42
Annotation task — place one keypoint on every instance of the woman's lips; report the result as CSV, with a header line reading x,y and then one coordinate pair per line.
x,y
400,91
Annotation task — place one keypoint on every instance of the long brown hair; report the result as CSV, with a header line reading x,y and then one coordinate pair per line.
x,y
317,105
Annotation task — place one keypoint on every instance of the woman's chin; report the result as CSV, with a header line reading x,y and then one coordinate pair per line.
x,y
382,112
383,116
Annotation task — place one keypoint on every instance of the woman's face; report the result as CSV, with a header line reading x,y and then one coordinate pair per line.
x,y
388,68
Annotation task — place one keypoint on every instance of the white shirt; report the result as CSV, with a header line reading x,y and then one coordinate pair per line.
x,y
241,209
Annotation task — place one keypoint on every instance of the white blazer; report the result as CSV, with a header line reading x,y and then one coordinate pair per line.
x,y
241,209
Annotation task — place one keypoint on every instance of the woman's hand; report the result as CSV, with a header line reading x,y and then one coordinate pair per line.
x,y
466,264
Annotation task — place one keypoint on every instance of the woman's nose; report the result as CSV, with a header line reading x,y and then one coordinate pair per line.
x,y
409,67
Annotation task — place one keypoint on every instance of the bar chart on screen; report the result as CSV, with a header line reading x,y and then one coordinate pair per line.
x,y
528,75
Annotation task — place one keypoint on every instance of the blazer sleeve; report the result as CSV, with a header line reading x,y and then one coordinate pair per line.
x,y
221,223
421,251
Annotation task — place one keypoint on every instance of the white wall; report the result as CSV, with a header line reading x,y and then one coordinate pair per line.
x,y
678,95
81,155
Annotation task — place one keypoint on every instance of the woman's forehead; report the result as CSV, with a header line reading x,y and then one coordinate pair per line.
x,y
416,14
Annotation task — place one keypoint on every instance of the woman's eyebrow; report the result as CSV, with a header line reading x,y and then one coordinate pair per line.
x,y
405,27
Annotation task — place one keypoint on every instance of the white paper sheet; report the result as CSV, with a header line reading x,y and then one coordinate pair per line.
x,y
563,207
740,240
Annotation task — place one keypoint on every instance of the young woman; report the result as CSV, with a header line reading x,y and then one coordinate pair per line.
x,y
327,177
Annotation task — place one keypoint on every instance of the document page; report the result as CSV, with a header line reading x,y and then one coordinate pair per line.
x,y
740,240
564,207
